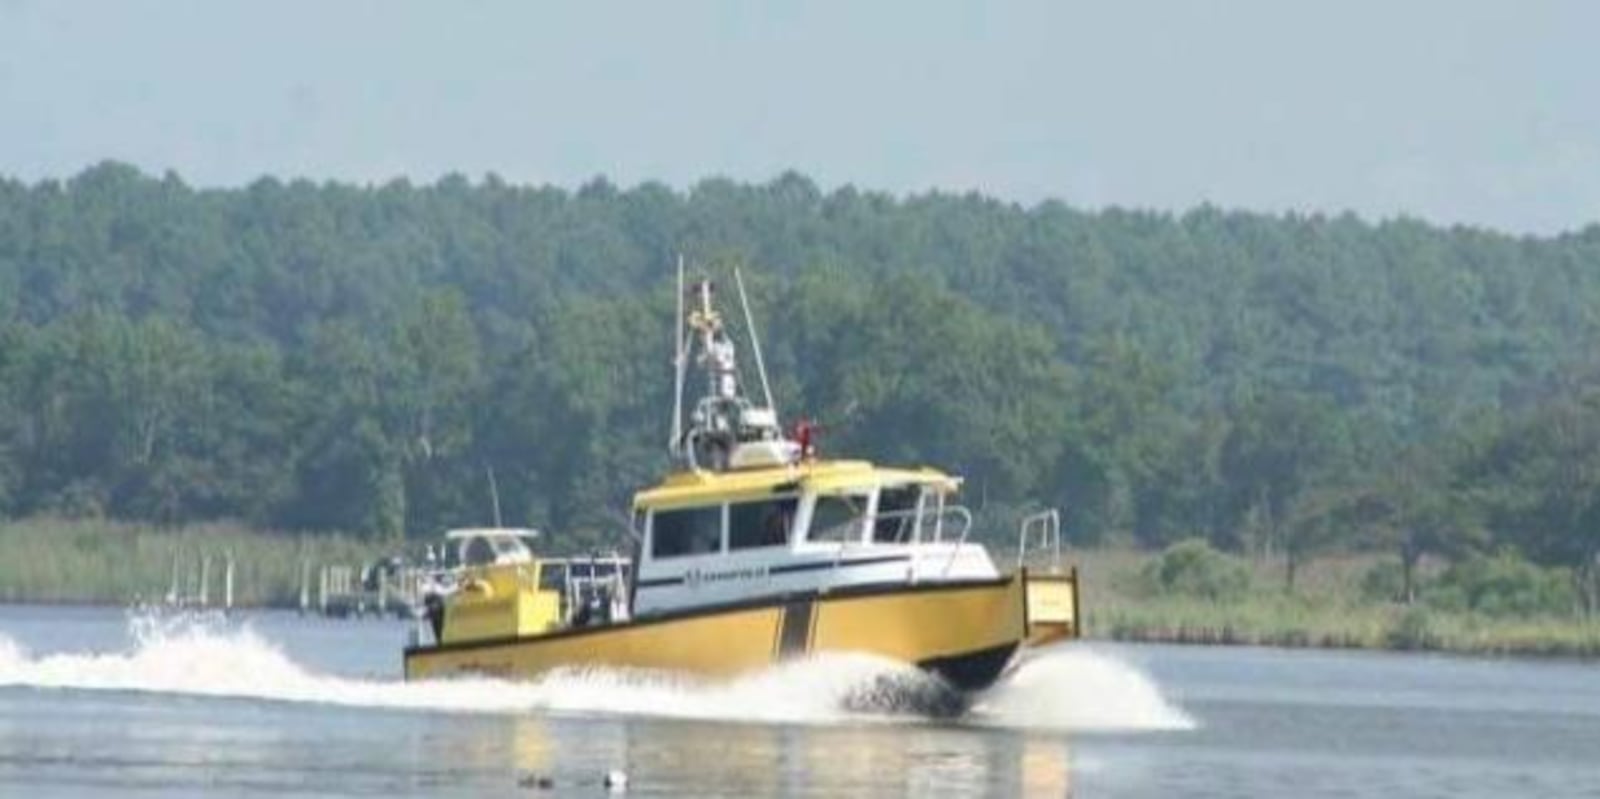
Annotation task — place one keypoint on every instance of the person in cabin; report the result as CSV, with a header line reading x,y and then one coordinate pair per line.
x,y
775,526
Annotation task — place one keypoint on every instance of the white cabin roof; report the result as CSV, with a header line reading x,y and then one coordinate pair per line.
x,y
490,532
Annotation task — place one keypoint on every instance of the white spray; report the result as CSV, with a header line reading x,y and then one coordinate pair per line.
x,y
1067,690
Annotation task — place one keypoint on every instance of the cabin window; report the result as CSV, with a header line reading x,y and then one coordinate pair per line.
x,y
512,549
897,515
837,518
591,569
477,552
690,531
760,524
553,577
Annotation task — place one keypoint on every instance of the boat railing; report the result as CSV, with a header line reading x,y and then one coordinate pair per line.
x,y
602,577
920,522
960,525
960,512
1044,528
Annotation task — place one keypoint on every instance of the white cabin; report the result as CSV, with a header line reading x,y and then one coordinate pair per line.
x,y
713,538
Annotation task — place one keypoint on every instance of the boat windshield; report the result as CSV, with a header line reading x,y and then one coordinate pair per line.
x,y
688,531
765,523
896,519
488,550
837,517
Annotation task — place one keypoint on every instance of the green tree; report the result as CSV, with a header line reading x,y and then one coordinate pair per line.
x,y
1278,450
1417,508
1541,482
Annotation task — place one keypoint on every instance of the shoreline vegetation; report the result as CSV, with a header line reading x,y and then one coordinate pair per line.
x,y
1337,604
84,561
1186,594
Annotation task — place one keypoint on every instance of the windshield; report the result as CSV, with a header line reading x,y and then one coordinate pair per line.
x,y
837,518
896,517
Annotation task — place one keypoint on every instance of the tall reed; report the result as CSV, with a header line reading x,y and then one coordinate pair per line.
x,y
79,560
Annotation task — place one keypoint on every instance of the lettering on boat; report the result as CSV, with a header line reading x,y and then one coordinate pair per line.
x,y
698,576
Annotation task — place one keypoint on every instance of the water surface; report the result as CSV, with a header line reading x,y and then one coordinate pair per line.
x,y
98,701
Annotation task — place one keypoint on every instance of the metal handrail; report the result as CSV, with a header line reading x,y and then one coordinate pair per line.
x,y
1048,523
905,531
576,585
966,528
961,514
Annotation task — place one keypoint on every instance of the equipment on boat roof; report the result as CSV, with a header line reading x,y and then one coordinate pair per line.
x,y
726,430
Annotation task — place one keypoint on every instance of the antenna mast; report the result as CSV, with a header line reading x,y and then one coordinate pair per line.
x,y
755,342
494,494
680,363
725,429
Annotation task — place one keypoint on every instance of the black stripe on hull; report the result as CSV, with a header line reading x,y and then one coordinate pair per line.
x,y
972,671
794,635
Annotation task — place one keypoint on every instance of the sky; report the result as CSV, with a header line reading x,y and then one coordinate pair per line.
x,y
1469,112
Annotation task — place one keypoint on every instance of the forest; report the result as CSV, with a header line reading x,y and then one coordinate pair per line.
x,y
300,356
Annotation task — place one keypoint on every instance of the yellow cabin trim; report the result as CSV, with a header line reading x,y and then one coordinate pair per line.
x,y
692,488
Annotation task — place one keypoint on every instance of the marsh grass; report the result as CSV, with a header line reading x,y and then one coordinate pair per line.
x,y
75,560
1327,609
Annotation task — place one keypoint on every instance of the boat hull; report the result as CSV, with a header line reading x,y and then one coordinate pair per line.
x,y
966,632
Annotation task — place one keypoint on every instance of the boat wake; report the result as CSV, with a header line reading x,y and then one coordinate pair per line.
x,y
1076,687
1065,690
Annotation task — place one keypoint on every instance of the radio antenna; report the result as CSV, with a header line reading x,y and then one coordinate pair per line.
x,y
679,364
755,341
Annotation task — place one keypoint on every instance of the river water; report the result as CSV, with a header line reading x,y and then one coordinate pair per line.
x,y
97,701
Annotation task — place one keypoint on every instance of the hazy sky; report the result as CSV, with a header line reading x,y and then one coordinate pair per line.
x,y
1479,112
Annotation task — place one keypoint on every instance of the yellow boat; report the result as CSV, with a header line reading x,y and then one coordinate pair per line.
x,y
753,552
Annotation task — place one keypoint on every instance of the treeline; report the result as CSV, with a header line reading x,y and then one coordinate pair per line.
x,y
332,357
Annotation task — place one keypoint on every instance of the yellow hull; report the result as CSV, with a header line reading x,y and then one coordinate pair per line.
x,y
966,632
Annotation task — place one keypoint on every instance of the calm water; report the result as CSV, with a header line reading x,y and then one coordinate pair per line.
x,y
98,702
